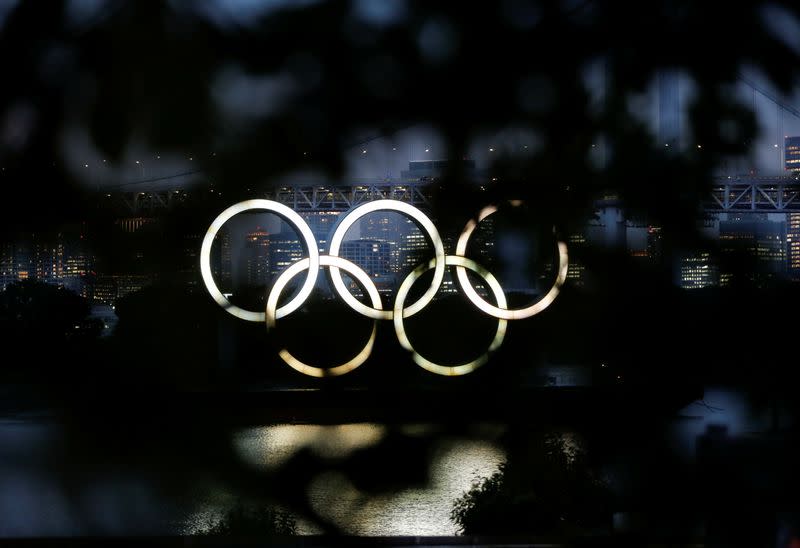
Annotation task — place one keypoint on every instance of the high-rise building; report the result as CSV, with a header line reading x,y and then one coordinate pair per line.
x,y
8,272
385,226
77,263
321,224
23,257
698,271
576,271
793,245
413,247
792,153
130,283
755,246
223,267
257,257
371,255
655,245
284,250
105,290
48,256
189,265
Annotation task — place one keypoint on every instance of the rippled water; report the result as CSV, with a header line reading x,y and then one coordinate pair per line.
x,y
36,501
455,465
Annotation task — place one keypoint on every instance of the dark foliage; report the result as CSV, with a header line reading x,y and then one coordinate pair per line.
x,y
252,522
550,489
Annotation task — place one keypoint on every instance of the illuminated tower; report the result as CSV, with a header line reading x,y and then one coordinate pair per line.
x,y
8,273
258,257
758,246
792,153
371,255
793,245
284,250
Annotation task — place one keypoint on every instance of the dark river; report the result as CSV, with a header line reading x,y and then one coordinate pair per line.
x,y
33,501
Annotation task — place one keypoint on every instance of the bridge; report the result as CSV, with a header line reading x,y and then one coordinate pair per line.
x,y
726,194
344,197
302,196
754,194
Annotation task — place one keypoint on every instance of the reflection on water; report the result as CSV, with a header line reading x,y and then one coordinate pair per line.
x,y
455,465
40,497
420,511
270,446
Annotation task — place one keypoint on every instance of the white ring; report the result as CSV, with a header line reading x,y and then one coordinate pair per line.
x,y
422,220
273,313
501,311
288,215
405,287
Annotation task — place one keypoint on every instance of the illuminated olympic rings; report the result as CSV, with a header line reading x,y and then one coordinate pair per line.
x,y
335,263
306,237
501,311
272,313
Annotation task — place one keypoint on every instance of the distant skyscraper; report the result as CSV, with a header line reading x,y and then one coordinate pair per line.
x,y
321,224
257,253
793,245
8,272
413,247
757,246
655,246
371,255
385,226
284,250
130,283
698,271
225,260
48,256
105,290
792,153
77,262
576,272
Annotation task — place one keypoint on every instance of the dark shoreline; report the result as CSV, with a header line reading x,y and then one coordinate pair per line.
x,y
332,405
